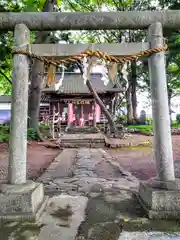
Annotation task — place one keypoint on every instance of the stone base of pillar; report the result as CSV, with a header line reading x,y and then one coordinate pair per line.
x,y
22,202
160,201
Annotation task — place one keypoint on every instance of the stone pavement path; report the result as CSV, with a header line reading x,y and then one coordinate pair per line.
x,y
91,198
84,171
110,209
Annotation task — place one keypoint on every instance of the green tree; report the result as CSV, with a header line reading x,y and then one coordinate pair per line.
x,y
172,38
36,77
116,37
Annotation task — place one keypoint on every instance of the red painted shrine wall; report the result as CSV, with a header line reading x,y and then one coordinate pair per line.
x,y
60,107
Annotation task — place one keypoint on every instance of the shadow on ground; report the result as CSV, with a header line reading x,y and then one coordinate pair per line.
x,y
107,219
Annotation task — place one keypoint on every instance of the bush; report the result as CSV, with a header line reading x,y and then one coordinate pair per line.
x,y
121,120
175,125
178,118
101,127
31,134
149,121
4,137
44,127
5,132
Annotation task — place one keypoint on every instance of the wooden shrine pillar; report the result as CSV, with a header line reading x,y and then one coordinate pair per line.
x,y
94,113
98,112
70,113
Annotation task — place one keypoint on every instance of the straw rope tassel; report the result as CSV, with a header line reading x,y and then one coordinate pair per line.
x,y
112,71
51,74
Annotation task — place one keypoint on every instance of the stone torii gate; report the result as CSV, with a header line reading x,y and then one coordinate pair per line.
x,y
21,198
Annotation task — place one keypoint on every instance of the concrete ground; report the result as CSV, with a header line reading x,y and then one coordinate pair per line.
x,y
91,198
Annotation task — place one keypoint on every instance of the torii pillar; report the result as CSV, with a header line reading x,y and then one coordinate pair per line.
x,y
19,198
160,196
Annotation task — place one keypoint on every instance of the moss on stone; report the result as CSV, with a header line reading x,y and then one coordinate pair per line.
x,y
140,224
63,213
137,147
19,229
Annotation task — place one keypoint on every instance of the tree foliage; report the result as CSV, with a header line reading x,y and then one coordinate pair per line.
x,y
107,36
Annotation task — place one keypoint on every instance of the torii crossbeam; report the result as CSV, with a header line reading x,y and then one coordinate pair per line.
x,y
90,20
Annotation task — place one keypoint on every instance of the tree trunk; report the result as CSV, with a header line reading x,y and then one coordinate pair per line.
x,y
35,96
115,104
133,91
129,105
102,106
37,77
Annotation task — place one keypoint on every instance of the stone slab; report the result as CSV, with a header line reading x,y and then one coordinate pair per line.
x,y
61,167
88,140
95,140
81,130
148,236
62,217
159,203
129,141
83,144
168,185
98,136
20,202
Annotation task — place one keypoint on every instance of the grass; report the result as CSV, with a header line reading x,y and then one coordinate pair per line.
x,y
146,129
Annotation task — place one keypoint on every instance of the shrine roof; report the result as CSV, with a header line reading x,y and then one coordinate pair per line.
x,y
73,83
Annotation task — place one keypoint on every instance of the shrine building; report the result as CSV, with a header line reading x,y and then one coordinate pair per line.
x,y
73,100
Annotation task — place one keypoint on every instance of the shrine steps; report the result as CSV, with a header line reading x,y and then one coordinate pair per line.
x,y
95,140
